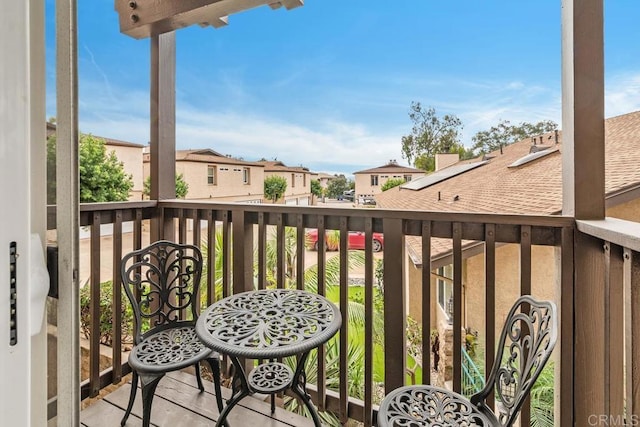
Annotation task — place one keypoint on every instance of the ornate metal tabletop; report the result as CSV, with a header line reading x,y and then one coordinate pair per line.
x,y
268,323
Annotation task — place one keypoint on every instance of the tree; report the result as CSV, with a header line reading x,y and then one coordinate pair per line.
x,y
274,187
392,182
337,186
102,175
504,133
182,188
316,188
430,134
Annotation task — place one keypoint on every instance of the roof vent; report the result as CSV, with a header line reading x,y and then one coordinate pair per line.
x,y
531,157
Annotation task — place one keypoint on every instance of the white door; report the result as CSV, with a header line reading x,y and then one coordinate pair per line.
x,y
23,278
303,201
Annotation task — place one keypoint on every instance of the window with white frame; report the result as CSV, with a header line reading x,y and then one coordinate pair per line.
x,y
246,175
211,175
374,180
407,178
445,289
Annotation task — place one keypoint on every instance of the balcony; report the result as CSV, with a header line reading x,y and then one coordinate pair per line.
x,y
246,231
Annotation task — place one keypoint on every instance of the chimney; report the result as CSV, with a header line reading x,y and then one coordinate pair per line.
x,y
444,160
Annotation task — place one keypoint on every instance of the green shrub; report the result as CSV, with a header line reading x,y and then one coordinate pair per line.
x,y
106,314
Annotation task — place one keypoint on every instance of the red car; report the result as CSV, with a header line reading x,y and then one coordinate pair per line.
x,y
356,240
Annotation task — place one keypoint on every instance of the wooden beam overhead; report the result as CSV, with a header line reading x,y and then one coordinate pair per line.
x,y
146,18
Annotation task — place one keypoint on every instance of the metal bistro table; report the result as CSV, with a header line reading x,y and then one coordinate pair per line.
x,y
269,324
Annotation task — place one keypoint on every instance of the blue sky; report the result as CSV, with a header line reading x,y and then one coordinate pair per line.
x,y
328,85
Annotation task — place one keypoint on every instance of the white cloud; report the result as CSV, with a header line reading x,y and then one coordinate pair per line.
x,y
622,94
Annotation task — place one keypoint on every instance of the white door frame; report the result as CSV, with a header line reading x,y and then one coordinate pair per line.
x,y
23,364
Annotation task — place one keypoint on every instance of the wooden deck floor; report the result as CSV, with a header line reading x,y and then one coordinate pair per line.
x,y
178,402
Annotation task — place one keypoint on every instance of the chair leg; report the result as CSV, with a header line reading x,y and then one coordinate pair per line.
x,y
214,363
199,377
132,397
149,384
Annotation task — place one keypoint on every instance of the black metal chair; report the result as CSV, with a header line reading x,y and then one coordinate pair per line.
x,y
162,282
531,328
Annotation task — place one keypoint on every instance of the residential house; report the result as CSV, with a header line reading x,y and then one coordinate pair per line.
x,y
370,181
324,179
522,178
298,178
214,176
129,153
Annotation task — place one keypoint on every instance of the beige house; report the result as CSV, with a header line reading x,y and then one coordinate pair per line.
x,y
324,179
129,153
298,181
214,176
370,181
523,178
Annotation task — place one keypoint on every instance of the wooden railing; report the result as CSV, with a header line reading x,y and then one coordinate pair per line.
x,y
244,227
608,335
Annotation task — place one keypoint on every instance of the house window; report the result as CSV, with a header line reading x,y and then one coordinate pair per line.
x,y
304,179
211,175
293,180
374,180
445,290
407,178
246,175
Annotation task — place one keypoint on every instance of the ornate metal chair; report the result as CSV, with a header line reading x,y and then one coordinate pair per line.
x,y
531,329
159,282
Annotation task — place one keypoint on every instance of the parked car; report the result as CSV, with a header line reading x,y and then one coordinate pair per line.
x,y
356,240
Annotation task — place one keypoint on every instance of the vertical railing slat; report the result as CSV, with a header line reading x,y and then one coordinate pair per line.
x,y
226,255
262,252
457,306
426,302
137,245
197,242
368,321
94,344
321,383
632,329
525,289
490,303
211,258
344,330
116,304
564,370
395,357
300,252
280,254
614,339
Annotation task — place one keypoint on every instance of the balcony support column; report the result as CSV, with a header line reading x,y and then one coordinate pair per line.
x,y
583,179
68,214
163,131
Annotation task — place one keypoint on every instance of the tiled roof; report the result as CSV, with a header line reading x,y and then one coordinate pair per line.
x,y
277,166
391,168
51,129
532,188
207,156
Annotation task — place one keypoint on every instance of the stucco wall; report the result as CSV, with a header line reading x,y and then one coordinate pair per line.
x,y
544,282
629,211
131,158
364,187
229,186
294,194
414,275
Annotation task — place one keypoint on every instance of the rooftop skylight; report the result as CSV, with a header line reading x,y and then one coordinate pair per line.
x,y
531,157
441,175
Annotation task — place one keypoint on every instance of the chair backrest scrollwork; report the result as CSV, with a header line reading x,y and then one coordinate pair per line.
x,y
525,345
162,283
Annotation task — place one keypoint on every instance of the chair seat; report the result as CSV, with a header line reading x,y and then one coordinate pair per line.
x,y
168,350
416,406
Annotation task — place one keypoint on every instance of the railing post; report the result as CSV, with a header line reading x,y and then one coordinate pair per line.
x,y
163,130
242,267
395,354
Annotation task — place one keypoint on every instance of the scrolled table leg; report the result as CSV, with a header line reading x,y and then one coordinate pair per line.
x,y
240,390
299,387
